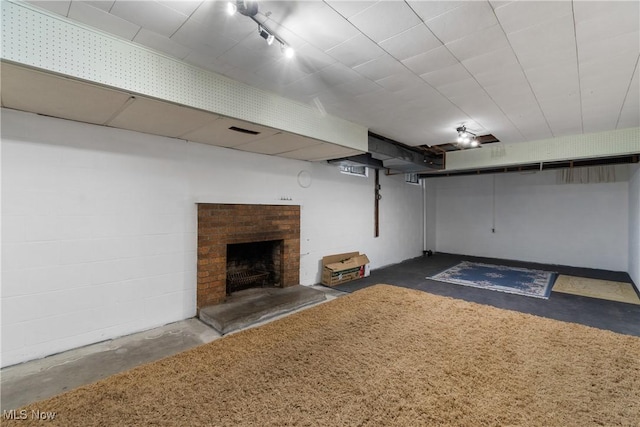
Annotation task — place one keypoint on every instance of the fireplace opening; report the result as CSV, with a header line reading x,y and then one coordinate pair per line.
x,y
254,265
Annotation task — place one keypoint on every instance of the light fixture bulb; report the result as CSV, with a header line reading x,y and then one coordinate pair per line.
x,y
474,142
465,139
289,52
459,139
231,8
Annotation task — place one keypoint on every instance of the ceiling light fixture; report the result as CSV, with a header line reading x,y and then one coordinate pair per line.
x,y
250,10
266,35
466,139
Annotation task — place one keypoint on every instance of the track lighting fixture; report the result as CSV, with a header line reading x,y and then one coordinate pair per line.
x,y
466,139
250,9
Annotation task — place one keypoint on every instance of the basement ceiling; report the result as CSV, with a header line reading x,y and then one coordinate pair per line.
x,y
410,71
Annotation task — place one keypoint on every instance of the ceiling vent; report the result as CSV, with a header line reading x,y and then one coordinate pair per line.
x,y
241,130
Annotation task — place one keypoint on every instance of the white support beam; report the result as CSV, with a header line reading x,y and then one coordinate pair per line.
x,y
588,146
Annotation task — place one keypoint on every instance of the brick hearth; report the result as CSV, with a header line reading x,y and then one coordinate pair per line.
x,y
222,224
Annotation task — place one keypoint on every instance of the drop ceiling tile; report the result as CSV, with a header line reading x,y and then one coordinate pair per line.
x,y
402,80
161,44
355,51
432,60
322,26
336,74
186,7
29,90
385,19
431,9
358,87
617,21
446,75
411,42
630,113
497,3
464,20
383,66
319,152
217,132
87,14
595,10
310,59
283,72
492,62
601,48
307,87
554,79
160,118
479,43
468,87
349,8
546,43
150,15
196,37
214,22
519,15
277,144
237,57
105,5
55,6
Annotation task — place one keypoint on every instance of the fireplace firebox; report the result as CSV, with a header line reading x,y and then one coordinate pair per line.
x,y
246,246
255,264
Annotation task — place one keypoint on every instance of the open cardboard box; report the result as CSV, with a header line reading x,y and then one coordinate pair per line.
x,y
345,267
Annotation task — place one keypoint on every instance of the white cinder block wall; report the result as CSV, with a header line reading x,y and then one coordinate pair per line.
x,y
99,226
536,219
634,225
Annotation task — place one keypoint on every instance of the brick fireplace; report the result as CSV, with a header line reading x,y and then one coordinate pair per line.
x,y
227,229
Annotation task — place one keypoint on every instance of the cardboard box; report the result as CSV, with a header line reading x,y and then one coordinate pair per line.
x,y
345,267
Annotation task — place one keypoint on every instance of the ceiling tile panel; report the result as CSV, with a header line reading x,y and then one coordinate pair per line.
x,y
519,15
349,8
468,87
336,74
277,144
29,90
321,151
150,15
630,114
186,7
283,72
161,44
402,80
446,75
210,21
383,66
431,9
432,60
355,51
603,20
385,19
601,48
493,62
461,21
55,6
310,59
87,14
196,37
546,43
358,87
479,43
411,42
105,5
320,26
160,118
217,132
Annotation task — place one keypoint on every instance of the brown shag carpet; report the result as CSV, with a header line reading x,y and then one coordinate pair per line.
x,y
382,356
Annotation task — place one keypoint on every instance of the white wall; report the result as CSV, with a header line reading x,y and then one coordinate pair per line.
x,y
99,226
634,225
537,220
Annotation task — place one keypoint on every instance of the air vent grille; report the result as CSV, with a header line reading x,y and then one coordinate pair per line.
x,y
241,130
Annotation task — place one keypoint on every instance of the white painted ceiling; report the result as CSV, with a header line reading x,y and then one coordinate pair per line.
x,y
411,70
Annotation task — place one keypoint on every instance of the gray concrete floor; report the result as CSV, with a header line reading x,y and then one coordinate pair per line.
x,y
43,378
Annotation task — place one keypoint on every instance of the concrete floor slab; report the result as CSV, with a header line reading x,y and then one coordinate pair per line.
x,y
244,308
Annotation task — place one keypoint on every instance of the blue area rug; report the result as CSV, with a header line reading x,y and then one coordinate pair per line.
x,y
513,280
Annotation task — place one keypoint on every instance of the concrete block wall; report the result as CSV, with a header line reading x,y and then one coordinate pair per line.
x,y
99,226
